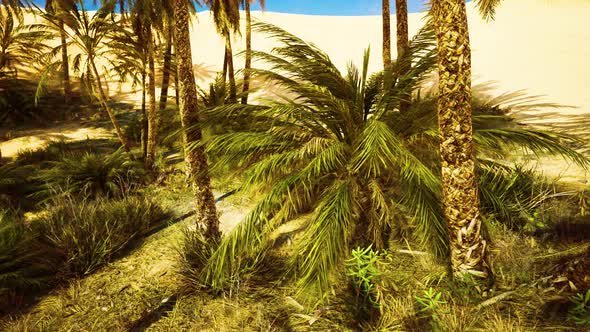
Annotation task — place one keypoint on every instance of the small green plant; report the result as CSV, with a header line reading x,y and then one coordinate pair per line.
x,y
365,278
580,312
428,303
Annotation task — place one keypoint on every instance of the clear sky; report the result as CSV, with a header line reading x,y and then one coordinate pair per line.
x,y
320,7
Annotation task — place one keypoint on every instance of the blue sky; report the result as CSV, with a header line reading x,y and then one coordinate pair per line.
x,y
322,7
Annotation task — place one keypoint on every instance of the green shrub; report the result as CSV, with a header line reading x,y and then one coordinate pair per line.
x,y
194,253
91,233
16,186
365,279
94,175
25,263
580,312
56,150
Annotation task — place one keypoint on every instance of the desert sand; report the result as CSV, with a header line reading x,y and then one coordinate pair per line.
x,y
539,46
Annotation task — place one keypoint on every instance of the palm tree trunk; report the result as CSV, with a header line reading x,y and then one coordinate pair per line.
x,y
196,160
403,43
167,69
386,33
105,103
248,64
153,110
225,62
460,192
144,120
230,70
65,64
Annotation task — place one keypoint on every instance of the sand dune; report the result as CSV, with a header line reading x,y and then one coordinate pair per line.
x,y
541,46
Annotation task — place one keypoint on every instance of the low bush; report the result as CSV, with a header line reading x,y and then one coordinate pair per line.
x,y
56,150
26,264
94,175
91,233
16,186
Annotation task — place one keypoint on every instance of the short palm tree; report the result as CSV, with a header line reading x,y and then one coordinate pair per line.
x,y
87,35
335,148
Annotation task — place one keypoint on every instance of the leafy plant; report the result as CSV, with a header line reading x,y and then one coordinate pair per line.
x,y
25,263
16,186
580,312
94,175
91,233
335,145
364,274
428,303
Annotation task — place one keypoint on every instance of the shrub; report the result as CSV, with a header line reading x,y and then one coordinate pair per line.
x,y
94,175
91,233
25,263
16,186
194,253
580,312
56,150
364,276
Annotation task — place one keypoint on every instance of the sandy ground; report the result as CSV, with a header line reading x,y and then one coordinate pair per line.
x,y
540,46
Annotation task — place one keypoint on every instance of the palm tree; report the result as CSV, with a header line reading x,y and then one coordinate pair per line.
x,y
386,13
54,7
248,64
196,160
88,34
333,149
401,13
20,46
226,15
460,193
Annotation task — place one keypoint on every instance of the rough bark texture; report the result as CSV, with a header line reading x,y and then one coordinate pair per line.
x,y
460,193
386,34
105,103
144,121
65,65
230,69
403,43
166,69
196,160
248,63
153,109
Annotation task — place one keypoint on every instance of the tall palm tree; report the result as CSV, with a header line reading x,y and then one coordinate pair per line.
x,y
248,64
196,160
386,13
226,16
88,34
55,7
401,14
460,191
20,46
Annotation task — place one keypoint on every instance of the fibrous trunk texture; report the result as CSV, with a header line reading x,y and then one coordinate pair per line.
x,y
386,34
195,158
403,43
153,108
166,69
248,64
460,192
230,69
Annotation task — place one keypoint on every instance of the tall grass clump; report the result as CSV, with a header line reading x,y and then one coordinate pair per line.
x,y
94,175
25,263
90,233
